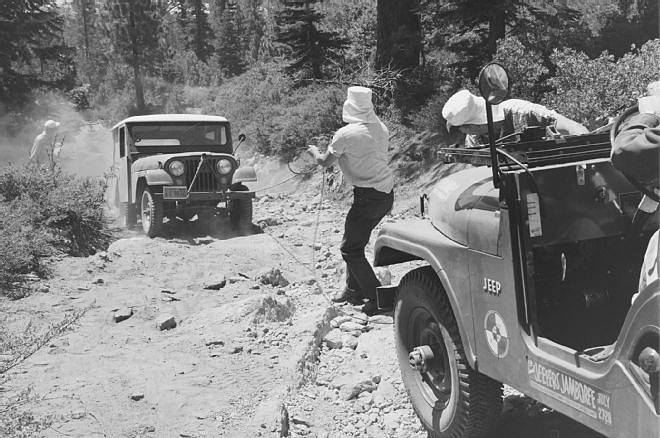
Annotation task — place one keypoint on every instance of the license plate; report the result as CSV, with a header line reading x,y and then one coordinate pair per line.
x,y
175,192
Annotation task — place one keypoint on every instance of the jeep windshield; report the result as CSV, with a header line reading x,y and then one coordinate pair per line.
x,y
149,138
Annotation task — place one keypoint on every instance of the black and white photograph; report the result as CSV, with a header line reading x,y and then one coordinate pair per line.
x,y
329,218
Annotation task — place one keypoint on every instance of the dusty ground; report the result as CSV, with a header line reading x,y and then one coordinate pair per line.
x,y
238,353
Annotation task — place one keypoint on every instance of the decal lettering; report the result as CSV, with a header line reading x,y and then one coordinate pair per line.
x,y
534,215
567,389
492,287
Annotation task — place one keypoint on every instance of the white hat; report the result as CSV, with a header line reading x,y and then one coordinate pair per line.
x,y
651,102
51,124
464,108
358,107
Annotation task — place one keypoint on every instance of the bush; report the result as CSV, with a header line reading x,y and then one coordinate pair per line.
x,y
43,212
587,89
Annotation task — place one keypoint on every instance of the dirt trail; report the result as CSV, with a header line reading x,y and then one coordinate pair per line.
x,y
237,351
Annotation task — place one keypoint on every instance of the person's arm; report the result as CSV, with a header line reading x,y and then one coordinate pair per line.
x,y
636,149
325,159
569,127
34,152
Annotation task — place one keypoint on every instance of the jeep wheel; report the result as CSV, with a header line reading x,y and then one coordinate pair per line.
x,y
152,213
240,210
450,398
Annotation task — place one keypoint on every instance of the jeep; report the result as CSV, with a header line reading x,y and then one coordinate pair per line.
x,y
172,166
530,259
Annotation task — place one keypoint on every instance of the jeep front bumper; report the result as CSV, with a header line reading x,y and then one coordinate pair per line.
x,y
180,193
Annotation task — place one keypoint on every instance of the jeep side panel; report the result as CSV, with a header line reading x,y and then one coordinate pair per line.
x,y
419,240
153,177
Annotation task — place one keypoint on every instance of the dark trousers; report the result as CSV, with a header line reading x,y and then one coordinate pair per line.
x,y
369,207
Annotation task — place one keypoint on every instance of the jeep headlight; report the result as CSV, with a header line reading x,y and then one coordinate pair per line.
x,y
177,168
224,166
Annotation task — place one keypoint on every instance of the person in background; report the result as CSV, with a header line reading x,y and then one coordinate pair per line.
x,y
636,153
45,149
466,112
360,148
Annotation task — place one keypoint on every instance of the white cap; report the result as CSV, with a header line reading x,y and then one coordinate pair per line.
x,y
464,108
651,102
358,107
51,124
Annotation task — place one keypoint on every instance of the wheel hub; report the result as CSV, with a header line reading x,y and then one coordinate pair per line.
x,y
420,358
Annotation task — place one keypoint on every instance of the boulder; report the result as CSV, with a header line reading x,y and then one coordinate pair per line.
x,y
165,322
122,314
333,340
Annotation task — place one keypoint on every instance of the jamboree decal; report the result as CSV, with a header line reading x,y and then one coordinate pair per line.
x,y
567,389
497,336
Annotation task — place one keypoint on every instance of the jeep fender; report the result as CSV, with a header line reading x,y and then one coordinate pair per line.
x,y
244,174
152,177
419,240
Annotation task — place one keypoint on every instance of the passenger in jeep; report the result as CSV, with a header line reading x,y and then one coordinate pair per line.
x,y
466,112
636,153
360,148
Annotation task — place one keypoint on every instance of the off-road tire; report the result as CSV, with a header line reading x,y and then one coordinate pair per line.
x,y
151,213
461,404
240,210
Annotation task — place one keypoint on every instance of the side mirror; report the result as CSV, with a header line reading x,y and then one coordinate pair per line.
x,y
494,84
241,139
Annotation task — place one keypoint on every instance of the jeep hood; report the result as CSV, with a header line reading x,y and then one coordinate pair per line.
x,y
455,199
156,161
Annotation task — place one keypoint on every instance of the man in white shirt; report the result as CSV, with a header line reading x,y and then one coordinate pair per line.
x,y
45,150
360,148
466,113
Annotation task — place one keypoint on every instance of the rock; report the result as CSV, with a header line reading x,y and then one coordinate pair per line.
x,y
165,322
333,339
236,349
272,416
384,276
392,420
137,396
98,281
349,392
268,222
381,319
350,342
301,421
122,314
218,282
376,378
83,288
167,291
216,342
44,288
350,326
384,394
336,322
273,277
374,431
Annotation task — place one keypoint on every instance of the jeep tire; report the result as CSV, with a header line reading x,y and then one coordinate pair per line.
x,y
151,212
240,210
450,398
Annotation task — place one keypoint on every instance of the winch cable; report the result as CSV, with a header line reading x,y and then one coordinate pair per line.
x,y
199,167
313,269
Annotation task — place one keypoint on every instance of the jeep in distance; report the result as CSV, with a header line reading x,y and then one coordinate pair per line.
x,y
171,166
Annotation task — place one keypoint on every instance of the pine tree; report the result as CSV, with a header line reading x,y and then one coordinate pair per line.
x,y
194,27
472,28
28,26
229,53
399,34
134,36
311,47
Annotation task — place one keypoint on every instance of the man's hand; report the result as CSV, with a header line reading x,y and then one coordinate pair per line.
x,y
313,151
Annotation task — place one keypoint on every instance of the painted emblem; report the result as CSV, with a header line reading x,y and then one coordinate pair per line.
x,y
497,336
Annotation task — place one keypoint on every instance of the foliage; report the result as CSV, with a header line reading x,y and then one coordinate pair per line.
x,y
525,67
587,89
43,212
27,27
229,55
311,46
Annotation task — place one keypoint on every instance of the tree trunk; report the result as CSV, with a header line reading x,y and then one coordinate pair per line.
x,y
135,61
199,31
496,28
398,33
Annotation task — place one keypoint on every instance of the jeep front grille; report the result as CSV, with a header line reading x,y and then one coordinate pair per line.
x,y
205,181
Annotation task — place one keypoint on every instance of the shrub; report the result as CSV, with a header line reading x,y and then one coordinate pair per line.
x,y
586,89
43,212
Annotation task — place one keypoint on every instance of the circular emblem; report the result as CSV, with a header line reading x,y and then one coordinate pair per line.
x,y
496,334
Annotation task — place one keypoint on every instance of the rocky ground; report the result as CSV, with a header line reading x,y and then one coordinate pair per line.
x,y
223,335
